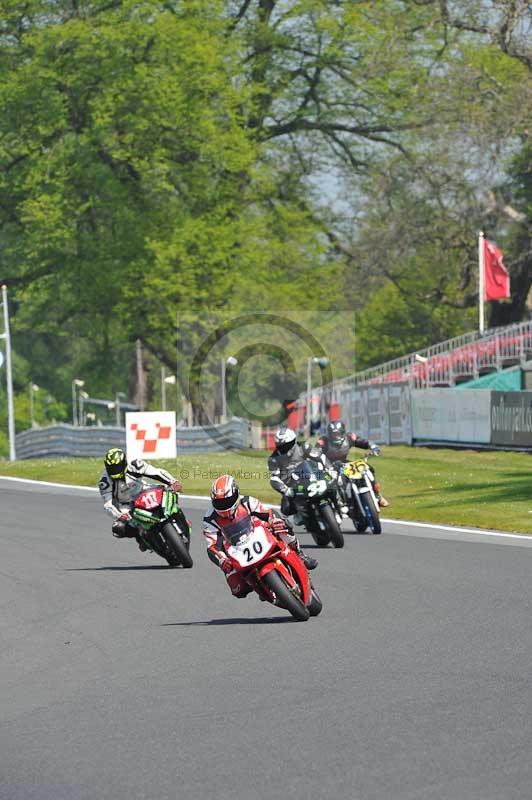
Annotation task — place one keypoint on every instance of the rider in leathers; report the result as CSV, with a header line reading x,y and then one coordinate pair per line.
x,y
337,443
287,454
121,482
228,506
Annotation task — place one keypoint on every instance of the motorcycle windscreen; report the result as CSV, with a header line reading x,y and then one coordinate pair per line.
x,y
238,529
307,471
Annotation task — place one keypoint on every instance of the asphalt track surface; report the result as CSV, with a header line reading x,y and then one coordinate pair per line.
x,y
121,678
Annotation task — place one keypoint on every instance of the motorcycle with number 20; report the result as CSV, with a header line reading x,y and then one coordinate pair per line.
x,y
162,525
276,573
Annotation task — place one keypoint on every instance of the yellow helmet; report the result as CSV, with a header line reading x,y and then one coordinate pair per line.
x,y
115,463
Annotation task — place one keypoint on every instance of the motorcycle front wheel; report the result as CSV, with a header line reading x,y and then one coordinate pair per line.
x,y
372,514
284,596
178,550
320,538
333,529
360,522
315,605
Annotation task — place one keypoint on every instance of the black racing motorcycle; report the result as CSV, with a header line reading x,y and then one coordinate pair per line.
x,y
162,525
314,499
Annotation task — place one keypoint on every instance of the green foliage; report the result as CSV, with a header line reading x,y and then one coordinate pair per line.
x,y
396,322
167,167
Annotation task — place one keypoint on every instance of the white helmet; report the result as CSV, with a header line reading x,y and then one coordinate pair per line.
x,y
285,439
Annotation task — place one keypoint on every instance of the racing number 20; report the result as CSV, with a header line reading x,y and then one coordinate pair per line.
x,y
257,547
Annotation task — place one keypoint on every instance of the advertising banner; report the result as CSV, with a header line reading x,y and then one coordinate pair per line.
x,y
511,418
378,414
361,424
452,415
151,434
399,414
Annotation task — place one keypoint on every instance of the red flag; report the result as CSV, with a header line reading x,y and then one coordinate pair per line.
x,y
496,277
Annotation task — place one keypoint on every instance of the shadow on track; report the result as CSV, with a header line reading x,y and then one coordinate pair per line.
x,y
116,569
231,621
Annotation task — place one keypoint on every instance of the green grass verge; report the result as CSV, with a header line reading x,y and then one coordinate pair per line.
x,y
453,487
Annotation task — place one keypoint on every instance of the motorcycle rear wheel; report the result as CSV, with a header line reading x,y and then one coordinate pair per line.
x,y
333,529
284,596
176,546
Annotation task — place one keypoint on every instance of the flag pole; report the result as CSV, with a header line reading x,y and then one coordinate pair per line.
x,y
481,282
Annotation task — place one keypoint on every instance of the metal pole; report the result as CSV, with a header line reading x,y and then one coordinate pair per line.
x,y
309,390
32,423
9,379
141,378
224,397
180,399
163,388
117,406
80,419
74,405
481,280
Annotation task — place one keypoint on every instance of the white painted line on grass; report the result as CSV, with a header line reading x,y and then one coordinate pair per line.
x,y
449,528
454,529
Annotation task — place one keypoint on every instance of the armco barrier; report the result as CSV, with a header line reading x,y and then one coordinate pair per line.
x,y
451,415
66,441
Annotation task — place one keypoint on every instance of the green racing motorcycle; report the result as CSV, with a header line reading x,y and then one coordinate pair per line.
x,y
162,525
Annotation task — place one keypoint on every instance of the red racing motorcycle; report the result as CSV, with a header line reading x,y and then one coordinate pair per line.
x,y
275,572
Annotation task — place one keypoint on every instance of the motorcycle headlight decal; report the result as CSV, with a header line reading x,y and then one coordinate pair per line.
x,y
170,504
145,518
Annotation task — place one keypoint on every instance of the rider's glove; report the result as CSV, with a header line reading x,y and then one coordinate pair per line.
x,y
375,449
175,486
278,526
226,566
289,492
124,517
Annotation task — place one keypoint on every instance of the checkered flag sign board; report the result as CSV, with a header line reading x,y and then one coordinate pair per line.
x,y
150,435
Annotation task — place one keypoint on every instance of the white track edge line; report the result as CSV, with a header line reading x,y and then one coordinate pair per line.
x,y
452,529
449,528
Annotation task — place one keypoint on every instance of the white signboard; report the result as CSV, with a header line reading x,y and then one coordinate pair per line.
x,y
151,434
452,415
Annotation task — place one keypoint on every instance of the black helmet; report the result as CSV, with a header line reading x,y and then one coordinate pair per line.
x,y
285,440
336,432
115,463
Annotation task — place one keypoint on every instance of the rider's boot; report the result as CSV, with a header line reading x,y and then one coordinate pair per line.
x,y
382,501
292,541
308,561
